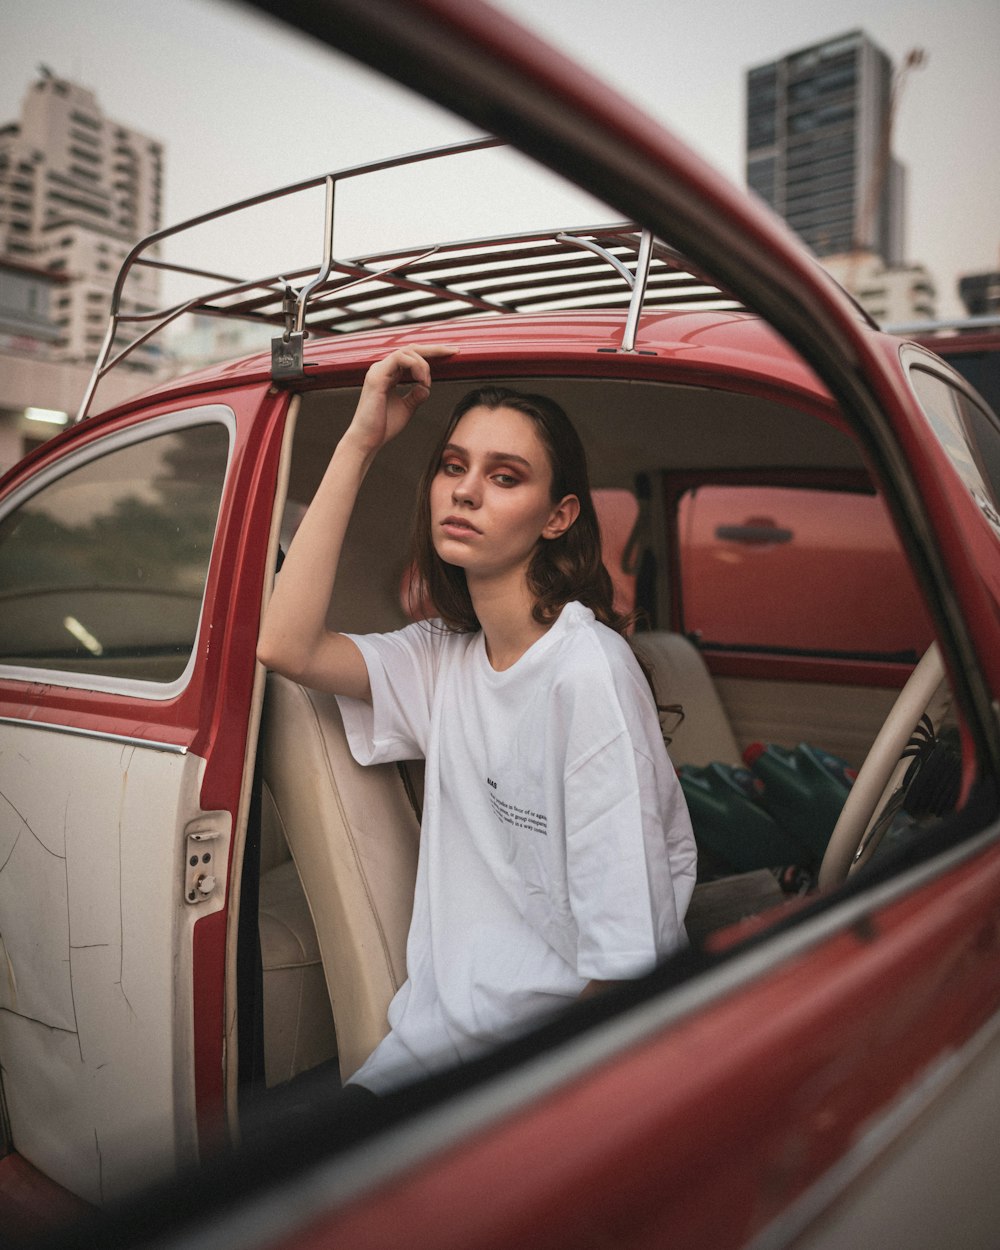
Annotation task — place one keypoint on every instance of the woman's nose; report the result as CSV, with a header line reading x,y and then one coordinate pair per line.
x,y
466,490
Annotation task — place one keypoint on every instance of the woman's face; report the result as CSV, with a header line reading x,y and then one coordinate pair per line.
x,y
490,500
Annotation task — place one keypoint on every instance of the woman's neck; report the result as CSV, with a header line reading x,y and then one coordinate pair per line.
x,y
504,611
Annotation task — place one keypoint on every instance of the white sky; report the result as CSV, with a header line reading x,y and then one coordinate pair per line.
x,y
243,105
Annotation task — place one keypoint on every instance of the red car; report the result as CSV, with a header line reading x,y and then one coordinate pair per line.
x,y
201,897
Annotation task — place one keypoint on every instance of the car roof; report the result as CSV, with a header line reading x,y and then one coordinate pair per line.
x,y
729,349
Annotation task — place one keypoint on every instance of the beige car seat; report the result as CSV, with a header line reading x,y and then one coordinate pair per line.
x,y
353,833
680,676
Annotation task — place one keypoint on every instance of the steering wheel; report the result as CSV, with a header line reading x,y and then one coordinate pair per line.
x,y
857,831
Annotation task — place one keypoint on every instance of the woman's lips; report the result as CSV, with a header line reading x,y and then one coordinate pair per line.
x,y
458,527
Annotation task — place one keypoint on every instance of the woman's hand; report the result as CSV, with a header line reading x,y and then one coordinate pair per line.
x,y
383,409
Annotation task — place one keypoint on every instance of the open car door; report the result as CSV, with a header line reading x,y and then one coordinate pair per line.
x,y
122,787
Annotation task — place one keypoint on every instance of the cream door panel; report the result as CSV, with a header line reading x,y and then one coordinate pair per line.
x,y
841,719
95,971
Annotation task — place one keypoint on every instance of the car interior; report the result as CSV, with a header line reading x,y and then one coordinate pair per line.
x,y
339,842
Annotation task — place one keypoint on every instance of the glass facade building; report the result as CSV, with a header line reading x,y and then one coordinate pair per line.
x,y
817,142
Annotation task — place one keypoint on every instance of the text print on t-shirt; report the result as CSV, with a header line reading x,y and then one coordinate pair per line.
x,y
512,814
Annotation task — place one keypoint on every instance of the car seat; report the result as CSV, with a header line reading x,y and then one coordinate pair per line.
x,y
679,674
353,833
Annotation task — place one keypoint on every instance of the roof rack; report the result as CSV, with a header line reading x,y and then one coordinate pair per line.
x,y
607,266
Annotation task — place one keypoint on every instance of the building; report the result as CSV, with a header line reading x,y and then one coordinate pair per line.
x,y
890,294
26,299
818,146
77,190
980,293
37,393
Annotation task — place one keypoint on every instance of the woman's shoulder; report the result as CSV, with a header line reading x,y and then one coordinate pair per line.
x,y
599,686
589,645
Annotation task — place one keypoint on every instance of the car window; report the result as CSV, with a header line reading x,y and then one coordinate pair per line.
x,y
968,434
979,365
102,571
796,570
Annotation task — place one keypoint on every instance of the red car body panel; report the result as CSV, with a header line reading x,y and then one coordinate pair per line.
x,y
708,1131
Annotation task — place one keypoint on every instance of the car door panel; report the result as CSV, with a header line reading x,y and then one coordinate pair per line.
x,y
97,945
122,783
841,719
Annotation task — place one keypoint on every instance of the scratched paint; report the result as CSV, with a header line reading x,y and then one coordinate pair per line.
x,y
95,974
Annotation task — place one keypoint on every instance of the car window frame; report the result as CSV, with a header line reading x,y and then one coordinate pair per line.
x,y
118,440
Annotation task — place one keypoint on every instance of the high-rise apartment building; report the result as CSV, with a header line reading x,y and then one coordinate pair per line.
x,y
818,146
77,190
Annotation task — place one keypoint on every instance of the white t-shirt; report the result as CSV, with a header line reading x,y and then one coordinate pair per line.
x,y
555,846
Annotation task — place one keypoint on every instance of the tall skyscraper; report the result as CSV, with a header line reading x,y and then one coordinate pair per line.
x,y
77,190
818,146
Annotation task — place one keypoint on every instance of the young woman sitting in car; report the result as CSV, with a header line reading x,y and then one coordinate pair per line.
x,y
556,852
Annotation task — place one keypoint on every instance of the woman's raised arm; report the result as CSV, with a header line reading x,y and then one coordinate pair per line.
x,y
294,639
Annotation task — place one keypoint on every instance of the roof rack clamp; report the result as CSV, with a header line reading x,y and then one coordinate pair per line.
x,y
286,352
287,356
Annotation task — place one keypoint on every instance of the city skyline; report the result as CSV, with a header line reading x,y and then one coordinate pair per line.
x,y
273,108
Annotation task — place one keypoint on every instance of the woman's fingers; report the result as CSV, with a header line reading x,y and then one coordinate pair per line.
x,y
384,407
410,364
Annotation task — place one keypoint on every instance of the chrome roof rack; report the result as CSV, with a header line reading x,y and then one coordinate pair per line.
x,y
606,266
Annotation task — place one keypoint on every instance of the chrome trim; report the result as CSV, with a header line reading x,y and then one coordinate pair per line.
x,y
324,270
638,291
151,744
590,246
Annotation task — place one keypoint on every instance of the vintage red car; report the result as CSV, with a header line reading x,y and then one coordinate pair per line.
x,y
192,870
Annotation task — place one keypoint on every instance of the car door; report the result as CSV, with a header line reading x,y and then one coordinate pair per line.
x,y
799,595
131,563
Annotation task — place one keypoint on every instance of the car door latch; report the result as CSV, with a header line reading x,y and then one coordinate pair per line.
x,y
203,840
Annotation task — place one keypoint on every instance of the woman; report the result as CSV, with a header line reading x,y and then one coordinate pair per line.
x,y
556,852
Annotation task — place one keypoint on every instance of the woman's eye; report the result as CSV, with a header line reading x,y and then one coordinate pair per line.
x,y
451,468
505,479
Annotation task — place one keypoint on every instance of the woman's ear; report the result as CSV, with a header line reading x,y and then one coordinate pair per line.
x,y
562,517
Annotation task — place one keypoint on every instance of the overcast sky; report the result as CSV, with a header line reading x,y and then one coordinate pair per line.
x,y
242,105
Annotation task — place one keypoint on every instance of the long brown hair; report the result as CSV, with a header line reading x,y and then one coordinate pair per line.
x,y
561,569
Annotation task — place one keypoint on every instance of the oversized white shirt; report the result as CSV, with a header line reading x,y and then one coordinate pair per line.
x,y
555,847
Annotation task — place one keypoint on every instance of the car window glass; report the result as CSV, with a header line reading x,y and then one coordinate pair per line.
x,y
969,436
796,571
981,369
103,570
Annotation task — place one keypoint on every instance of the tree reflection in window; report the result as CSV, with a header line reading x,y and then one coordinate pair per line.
x,y
103,570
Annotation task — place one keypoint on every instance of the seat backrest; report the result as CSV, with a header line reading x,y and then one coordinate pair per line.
x,y
353,834
680,676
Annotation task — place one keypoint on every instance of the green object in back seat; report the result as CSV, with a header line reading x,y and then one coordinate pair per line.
x,y
732,829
